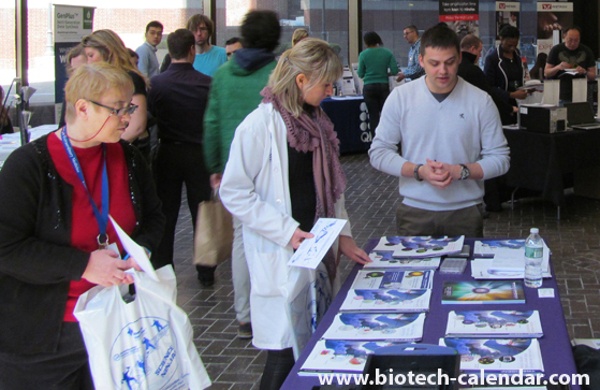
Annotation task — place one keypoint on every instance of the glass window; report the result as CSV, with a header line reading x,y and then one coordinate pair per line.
x,y
325,19
128,19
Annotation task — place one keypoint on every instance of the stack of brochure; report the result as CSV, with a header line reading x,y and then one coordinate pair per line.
x,y
385,305
416,247
386,259
503,259
517,355
389,291
340,356
496,340
494,323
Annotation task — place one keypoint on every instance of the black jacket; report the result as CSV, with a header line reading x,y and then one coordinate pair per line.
x,y
474,75
37,262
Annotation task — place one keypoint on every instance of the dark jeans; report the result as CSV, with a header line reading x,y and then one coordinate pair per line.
x,y
278,366
177,164
65,369
375,95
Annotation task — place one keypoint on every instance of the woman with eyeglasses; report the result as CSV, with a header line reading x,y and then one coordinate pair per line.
x,y
107,46
56,240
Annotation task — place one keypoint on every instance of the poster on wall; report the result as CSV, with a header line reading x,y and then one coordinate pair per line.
x,y
71,24
553,17
507,13
461,15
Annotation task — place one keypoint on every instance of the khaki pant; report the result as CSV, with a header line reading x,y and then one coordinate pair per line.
x,y
411,221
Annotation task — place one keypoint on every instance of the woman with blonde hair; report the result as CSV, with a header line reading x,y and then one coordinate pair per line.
x,y
56,242
283,174
107,46
298,35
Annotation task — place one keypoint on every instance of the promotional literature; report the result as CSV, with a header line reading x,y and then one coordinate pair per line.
x,y
478,292
376,326
420,246
494,323
382,279
340,356
508,255
497,355
386,259
402,301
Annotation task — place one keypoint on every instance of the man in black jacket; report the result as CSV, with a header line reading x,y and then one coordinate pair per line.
x,y
471,47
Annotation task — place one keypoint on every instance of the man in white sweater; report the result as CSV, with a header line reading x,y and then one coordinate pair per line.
x,y
451,140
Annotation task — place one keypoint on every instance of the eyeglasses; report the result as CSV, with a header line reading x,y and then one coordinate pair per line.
x,y
129,109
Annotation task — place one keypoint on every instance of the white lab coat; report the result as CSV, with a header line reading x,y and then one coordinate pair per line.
x,y
255,189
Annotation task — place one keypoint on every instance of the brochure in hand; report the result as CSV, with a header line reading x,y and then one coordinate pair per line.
x,y
382,279
497,355
340,356
494,323
400,301
376,326
386,259
483,291
420,246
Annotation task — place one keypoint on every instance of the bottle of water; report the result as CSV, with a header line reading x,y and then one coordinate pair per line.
x,y
534,252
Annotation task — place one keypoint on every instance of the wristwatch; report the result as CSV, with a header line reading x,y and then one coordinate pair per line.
x,y
416,172
464,172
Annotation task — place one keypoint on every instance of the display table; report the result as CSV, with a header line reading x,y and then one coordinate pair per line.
x,y
546,162
12,141
555,344
350,120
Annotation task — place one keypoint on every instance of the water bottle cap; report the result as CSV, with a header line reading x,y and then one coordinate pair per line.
x,y
534,230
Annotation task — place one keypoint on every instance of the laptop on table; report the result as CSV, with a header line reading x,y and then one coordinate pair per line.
x,y
580,116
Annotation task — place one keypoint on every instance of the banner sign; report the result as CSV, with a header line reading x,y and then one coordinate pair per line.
x,y
71,24
460,15
507,13
553,18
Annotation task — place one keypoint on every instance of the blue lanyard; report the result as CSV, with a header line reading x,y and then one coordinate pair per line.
x,y
101,217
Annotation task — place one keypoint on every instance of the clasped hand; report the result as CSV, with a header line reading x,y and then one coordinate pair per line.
x,y
438,174
107,269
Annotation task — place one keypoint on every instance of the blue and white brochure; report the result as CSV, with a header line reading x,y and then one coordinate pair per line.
x,y
312,250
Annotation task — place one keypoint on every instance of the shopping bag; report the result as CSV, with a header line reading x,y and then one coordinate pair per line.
x,y
214,233
143,344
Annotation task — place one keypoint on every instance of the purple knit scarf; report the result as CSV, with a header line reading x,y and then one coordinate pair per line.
x,y
317,136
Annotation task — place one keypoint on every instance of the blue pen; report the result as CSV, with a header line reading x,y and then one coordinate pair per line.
x,y
126,257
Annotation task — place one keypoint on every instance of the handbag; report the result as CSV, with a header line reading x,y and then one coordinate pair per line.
x,y
213,237
146,343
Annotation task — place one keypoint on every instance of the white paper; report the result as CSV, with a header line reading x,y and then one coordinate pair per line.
x,y
312,250
546,293
482,269
136,251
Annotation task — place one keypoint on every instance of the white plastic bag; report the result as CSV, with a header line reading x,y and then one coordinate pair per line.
x,y
144,344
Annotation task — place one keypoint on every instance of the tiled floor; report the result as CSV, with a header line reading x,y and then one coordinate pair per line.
x,y
371,199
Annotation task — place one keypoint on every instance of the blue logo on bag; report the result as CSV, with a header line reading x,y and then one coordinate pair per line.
x,y
145,354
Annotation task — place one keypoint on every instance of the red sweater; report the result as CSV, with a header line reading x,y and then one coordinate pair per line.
x,y
84,225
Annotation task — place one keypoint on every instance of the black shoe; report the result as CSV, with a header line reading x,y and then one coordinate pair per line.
x,y
245,331
206,275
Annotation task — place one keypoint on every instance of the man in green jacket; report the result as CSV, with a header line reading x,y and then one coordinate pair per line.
x,y
234,93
